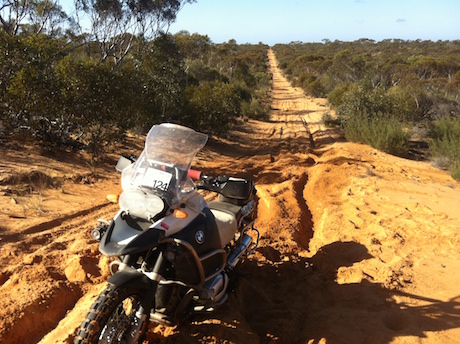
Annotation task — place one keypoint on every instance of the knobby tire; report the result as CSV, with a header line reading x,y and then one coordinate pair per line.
x,y
106,309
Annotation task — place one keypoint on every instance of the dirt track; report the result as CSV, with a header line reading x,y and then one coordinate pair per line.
x,y
357,246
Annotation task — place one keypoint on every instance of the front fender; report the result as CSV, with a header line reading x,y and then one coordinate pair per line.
x,y
130,277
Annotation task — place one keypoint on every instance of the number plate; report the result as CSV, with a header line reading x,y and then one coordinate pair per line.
x,y
157,179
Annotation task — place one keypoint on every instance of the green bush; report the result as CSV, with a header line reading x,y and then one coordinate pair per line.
x,y
305,79
373,116
455,170
254,109
212,107
363,98
202,72
31,103
97,100
445,143
383,132
329,121
315,89
335,96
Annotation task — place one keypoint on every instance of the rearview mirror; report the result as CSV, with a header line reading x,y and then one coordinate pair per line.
x,y
122,163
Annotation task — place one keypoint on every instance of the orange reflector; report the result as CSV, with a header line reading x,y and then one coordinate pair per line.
x,y
113,198
180,214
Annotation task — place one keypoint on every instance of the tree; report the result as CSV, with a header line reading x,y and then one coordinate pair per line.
x,y
348,66
46,16
100,101
165,80
12,14
115,24
31,97
31,16
193,46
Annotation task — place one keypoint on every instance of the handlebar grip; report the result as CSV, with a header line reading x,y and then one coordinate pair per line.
x,y
194,174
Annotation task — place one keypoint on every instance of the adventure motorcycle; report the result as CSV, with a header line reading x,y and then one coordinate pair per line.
x,y
175,252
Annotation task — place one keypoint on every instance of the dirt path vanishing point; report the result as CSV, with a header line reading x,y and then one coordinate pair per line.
x,y
357,246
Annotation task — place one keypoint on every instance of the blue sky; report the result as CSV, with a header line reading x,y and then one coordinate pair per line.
x,y
283,21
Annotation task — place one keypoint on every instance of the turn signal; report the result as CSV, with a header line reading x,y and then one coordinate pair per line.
x,y
113,198
180,214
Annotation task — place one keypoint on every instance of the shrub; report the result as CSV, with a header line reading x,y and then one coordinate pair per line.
x,y
329,121
383,132
212,106
446,143
305,79
440,162
335,96
30,97
403,104
455,170
363,97
203,72
97,100
315,89
254,109
59,92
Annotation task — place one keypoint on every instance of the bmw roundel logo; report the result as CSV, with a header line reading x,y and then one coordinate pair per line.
x,y
199,237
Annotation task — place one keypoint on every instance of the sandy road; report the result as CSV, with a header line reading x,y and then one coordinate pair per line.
x,y
292,104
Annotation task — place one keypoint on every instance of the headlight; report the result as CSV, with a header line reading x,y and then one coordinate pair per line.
x,y
140,204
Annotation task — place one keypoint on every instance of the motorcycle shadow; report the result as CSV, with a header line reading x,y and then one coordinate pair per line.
x,y
299,301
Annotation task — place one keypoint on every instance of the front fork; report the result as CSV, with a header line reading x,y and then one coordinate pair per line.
x,y
154,277
148,301
145,281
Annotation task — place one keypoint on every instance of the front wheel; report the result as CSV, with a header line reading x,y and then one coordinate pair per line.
x,y
115,317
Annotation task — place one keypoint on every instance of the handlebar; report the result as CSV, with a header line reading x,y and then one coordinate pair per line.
x,y
204,182
211,183
195,174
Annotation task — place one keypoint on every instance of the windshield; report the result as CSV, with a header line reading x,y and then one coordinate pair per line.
x,y
163,165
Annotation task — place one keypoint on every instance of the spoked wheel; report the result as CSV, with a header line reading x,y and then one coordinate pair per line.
x,y
114,318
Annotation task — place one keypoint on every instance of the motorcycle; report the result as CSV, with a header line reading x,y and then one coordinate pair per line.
x,y
176,254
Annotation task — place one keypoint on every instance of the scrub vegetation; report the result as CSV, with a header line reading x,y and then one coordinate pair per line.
x,y
67,87
385,93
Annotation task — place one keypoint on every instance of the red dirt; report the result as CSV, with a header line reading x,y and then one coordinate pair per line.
x,y
357,246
